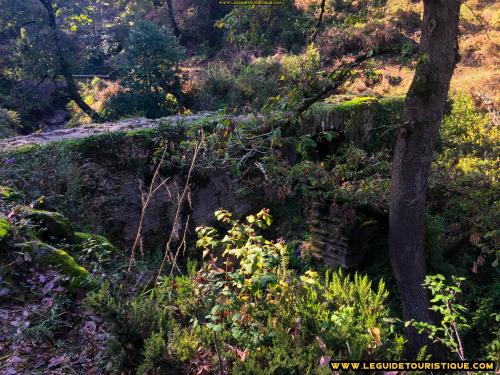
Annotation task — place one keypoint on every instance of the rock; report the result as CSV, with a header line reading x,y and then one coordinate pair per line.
x,y
328,240
58,117
364,121
9,194
57,120
5,227
54,223
47,255
81,238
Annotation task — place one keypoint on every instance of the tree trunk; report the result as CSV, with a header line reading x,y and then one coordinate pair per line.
x,y
421,120
173,22
64,66
320,19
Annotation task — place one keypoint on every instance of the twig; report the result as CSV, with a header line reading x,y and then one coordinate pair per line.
x,y
168,253
145,203
221,371
320,20
476,16
182,245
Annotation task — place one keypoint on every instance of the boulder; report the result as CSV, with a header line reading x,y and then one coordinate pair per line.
x,y
81,237
53,223
46,255
5,228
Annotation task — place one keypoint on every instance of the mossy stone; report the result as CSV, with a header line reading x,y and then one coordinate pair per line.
x,y
81,237
47,255
55,223
9,194
4,227
67,265
366,120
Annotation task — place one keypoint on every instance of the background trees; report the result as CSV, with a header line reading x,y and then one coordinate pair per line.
x,y
42,49
150,69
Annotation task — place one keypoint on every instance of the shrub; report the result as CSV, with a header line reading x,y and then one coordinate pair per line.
x,y
150,70
265,28
10,123
246,310
254,84
466,170
254,298
453,322
464,210
466,129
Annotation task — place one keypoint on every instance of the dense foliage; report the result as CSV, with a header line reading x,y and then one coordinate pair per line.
x,y
306,101
150,71
248,312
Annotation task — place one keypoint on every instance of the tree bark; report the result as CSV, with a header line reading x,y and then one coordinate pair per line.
x,y
422,115
173,22
320,19
65,70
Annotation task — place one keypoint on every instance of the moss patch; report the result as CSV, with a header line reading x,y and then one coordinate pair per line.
x,y
65,264
54,223
80,238
357,102
366,121
9,194
4,227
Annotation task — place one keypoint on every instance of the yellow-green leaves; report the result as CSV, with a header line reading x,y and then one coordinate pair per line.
x,y
310,277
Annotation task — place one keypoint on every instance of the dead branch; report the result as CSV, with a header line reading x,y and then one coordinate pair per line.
x,y
144,206
168,254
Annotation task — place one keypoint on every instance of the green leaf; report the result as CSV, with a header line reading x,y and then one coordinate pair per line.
x,y
217,327
265,280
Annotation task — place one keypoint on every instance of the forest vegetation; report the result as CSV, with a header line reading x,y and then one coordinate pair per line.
x,y
188,187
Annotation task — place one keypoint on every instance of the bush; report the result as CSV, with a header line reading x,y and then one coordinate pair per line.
x,y
464,216
248,311
150,70
10,123
252,85
151,83
467,171
465,129
266,28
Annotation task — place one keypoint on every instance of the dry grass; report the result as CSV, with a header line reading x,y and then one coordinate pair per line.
x,y
479,68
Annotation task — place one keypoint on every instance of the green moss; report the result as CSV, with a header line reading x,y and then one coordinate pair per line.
x,y
64,262
5,228
67,264
355,103
54,223
9,194
81,237
367,121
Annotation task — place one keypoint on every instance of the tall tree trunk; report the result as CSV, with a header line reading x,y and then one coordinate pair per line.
x,y
64,66
171,15
421,120
320,19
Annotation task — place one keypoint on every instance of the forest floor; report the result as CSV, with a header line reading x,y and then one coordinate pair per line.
x,y
43,332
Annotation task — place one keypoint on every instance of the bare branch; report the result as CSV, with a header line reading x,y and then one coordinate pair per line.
x,y
168,255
